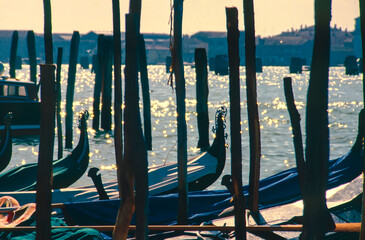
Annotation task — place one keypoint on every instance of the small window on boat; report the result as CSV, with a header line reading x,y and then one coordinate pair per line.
x,y
22,91
12,91
6,90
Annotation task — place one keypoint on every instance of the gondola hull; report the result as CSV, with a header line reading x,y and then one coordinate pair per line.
x,y
279,189
66,171
202,171
6,144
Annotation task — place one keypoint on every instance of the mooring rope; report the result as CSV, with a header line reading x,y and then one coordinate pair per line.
x,y
172,50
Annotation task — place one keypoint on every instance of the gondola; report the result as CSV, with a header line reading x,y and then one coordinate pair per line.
x,y
66,170
277,190
6,144
202,171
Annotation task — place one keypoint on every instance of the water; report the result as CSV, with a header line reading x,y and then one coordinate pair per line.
x,y
345,102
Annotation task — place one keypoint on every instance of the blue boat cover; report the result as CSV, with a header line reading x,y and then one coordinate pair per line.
x,y
279,189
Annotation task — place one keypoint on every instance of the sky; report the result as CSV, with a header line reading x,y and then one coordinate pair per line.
x,y
271,16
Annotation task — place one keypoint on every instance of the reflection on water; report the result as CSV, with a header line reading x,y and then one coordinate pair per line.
x,y
345,102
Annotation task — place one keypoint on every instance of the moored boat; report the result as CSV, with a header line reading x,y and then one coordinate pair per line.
x,y
66,170
6,143
20,98
277,190
202,171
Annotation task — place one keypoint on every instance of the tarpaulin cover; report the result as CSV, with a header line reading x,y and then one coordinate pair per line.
x,y
59,234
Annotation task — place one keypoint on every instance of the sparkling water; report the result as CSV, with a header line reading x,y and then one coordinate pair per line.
x,y
277,151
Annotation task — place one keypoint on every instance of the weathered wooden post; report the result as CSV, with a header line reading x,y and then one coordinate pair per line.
x,y
125,176
140,151
211,63
48,44
221,65
98,68
45,172
13,50
296,130
202,92
32,56
135,153
252,109
316,215
350,64
44,176
296,65
235,112
145,93
84,62
106,114
362,67
74,49
362,132
18,62
178,68
258,65
118,136
58,103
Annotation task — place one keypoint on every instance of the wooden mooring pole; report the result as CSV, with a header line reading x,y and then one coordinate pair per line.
x,y
118,130
74,49
98,68
106,114
139,146
13,50
145,93
362,26
140,150
296,130
362,132
58,103
178,68
48,43
46,144
125,172
44,175
317,220
32,56
202,92
252,109
135,153
235,117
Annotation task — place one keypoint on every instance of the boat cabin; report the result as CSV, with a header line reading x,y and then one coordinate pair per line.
x,y
11,88
20,98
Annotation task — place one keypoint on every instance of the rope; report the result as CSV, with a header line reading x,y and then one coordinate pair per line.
x,y
172,50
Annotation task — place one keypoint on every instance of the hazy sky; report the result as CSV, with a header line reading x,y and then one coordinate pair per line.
x,y
271,16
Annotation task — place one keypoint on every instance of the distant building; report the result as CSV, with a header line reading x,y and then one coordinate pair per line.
x,y
273,51
217,43
279,49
